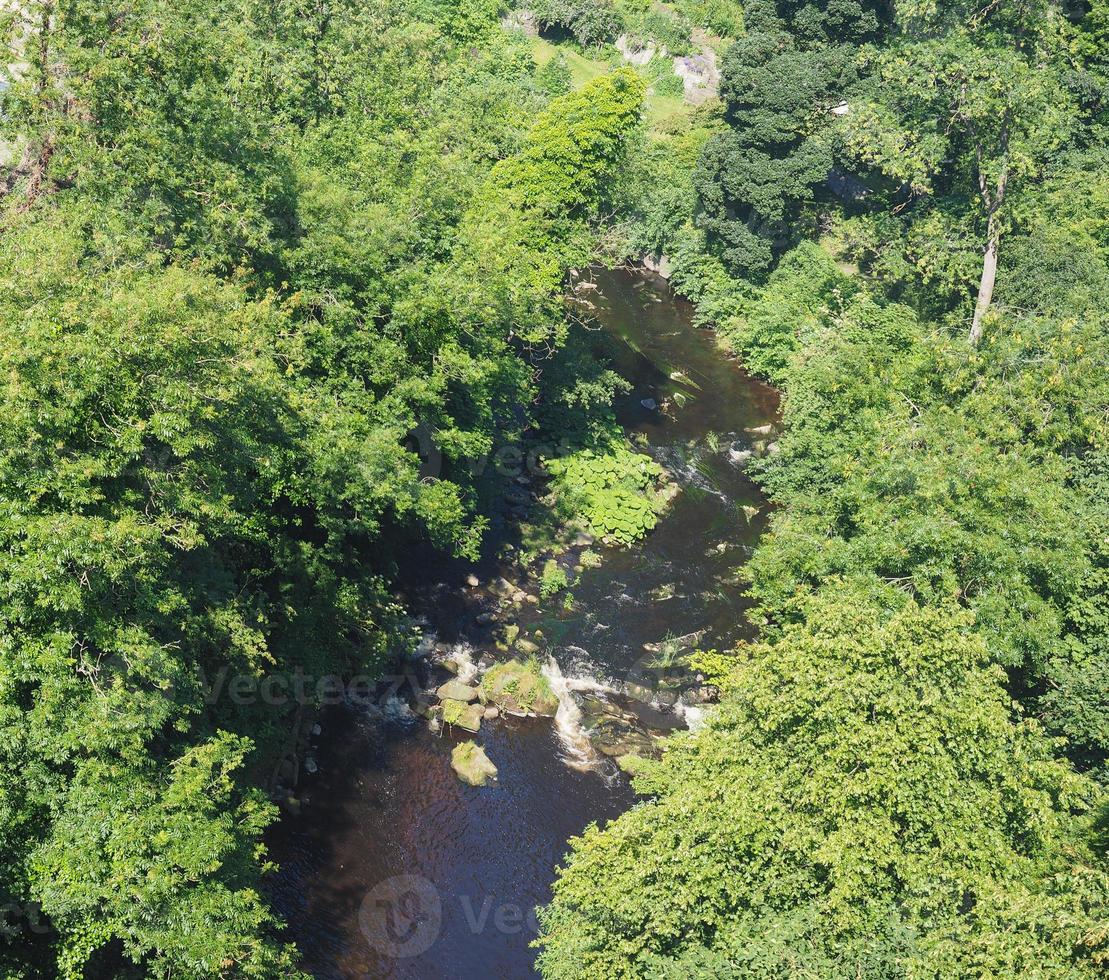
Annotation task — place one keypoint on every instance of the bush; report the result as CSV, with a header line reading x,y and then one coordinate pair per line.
x,y
554,77
553,579
590,22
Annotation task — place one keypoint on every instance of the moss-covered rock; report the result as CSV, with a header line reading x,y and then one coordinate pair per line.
x,y
467,716
472,765
519,688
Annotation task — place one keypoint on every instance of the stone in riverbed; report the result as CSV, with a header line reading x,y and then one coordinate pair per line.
x,y
467,716
502,587
492,713
472,765
704,694
455,690
473,581
519,689
617,736
527,647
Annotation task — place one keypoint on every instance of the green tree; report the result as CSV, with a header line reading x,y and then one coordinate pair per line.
x,y
970,100
863,803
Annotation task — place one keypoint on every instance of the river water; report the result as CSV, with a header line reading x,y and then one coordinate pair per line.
x,y
394,868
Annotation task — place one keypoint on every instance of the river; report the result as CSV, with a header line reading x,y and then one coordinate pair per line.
x,y
394,868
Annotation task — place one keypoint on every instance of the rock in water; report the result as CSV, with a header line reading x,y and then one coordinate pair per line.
x,y
519,689
455,690
472,765
463,715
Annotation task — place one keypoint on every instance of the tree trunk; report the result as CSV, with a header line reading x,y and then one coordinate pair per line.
x,y
989,276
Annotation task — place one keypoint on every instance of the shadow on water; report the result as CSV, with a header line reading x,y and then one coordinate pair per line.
x,y
388,828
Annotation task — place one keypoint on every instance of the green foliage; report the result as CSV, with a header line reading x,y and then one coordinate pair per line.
x,y
757,180
589,22
552,579
555,76
126,842
453,711
802,293
663,80
660,26
864,777
872,798
608,486
248,249
573,146
721,17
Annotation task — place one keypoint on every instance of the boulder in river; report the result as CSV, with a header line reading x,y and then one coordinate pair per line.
x,y
502,587
467,716
472,765
426,710
519,688
455,690
616,737
703,694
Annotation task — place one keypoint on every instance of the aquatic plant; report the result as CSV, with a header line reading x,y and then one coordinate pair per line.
x,y
609,487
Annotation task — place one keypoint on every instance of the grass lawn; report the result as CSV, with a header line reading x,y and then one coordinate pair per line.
x,y
582,70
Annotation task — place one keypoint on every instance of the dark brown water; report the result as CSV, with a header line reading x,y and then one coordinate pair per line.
x,y
395,869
